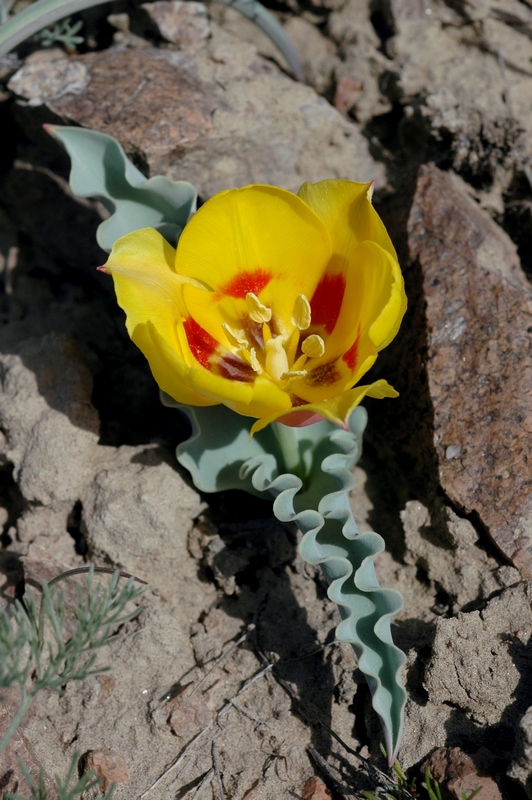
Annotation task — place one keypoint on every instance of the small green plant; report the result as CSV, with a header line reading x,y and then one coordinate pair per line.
x,y
37,652
66,790
403,789
63,32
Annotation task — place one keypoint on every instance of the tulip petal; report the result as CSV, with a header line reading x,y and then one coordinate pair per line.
x,y
371,310
336,409
345,208
171,373
147,287
258,239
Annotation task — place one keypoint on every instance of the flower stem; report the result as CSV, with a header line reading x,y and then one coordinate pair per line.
x,y
288,443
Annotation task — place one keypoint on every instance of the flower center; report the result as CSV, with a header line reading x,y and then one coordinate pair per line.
x,y
280,356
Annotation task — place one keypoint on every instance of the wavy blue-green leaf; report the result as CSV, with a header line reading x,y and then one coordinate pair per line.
x,y
219,456
101,169
39,15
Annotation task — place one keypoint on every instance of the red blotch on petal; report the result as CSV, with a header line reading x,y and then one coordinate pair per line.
x,y
201,343
327,301
350,357
246,282
299,419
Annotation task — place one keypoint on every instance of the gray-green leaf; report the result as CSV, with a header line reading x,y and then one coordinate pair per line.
x,y
101,169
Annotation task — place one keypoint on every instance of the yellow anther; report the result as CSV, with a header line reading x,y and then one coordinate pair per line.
x,y
236,336
254,361
295,373
301,313
276,358
257,310
313,346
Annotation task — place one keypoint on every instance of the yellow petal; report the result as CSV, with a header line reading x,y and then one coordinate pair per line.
x,y
258,239
373,305
171,373
345,208
147,287
337,409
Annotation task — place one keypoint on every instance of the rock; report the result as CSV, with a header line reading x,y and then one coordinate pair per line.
x,y
447,548
474,679
137,511
479,119
215,114
346,95
521,767
49,73
479,659
362,64
317,53
315,789
50,426
189,713
108,766
459,776
478,361
182,23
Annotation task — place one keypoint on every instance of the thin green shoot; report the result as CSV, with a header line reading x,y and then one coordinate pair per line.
x,y
36,652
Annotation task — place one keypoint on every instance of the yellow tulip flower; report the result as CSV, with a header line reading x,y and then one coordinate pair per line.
x,y
273,304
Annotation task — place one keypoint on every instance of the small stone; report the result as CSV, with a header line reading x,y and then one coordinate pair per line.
x,y
182,23
315,789
190,713
459,776
108,766
346,95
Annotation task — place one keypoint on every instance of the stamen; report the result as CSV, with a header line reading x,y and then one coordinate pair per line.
x,y
301,313
236,337
295,373
313,346
276,359
257,310
255,362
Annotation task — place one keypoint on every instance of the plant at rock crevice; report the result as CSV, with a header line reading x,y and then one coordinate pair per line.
x,y
259,327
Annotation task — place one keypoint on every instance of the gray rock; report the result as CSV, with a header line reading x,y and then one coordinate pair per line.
x,y
182,23
447,550
521,766
50,426
478,116
137,511
475,676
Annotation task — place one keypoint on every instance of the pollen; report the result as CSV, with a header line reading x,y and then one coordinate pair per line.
x,y
301,313
313,346
257,311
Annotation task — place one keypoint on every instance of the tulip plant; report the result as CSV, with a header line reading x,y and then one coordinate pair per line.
x,y
259,315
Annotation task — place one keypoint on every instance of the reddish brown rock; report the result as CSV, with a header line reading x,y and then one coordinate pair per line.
x,y
478,360
128,106
108,766
214,113
457,773
315,789
190,712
